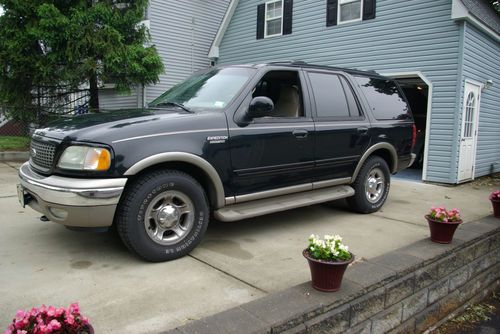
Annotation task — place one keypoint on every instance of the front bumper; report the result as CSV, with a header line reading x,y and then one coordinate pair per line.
x,y
72,201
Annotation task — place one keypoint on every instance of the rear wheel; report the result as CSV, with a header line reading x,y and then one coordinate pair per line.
x,y
163,215
371,186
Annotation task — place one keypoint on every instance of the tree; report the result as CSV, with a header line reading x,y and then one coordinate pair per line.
x,y
60,45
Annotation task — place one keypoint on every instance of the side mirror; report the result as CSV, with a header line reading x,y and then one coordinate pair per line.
x,y
260,106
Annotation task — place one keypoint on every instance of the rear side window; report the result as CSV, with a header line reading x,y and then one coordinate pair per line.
x,y
385,98
330,96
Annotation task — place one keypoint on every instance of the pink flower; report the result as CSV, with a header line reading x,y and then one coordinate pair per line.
x,y
59,311
51,311
74,308
20,314
70,319
55,324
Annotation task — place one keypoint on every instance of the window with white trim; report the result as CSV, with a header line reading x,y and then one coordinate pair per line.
x,y
274,18
350,11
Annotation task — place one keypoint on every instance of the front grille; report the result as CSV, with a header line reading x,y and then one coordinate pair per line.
x,y
42,155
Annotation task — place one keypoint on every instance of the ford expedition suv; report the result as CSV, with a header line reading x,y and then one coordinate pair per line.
x,y
234,142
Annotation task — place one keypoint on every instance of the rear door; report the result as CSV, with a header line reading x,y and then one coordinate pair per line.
x,y
342,132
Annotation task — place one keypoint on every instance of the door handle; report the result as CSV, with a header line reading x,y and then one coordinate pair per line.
x,y
363,130
300,134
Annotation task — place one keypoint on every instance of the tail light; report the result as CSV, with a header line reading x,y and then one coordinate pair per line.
x,y
413,136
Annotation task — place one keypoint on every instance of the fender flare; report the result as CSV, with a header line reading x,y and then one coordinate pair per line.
x,y
385,146
189,158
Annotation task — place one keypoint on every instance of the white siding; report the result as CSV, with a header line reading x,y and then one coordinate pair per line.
x,y
109,99
183,31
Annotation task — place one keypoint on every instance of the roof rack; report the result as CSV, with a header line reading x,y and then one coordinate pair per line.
x,y
291,62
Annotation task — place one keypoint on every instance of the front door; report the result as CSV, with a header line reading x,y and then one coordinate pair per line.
x,y
276,151
469,132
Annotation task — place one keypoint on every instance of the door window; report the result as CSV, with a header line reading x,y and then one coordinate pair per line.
x,y
284,89
469,115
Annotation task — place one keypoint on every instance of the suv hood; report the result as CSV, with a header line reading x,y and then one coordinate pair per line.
x,y
106,127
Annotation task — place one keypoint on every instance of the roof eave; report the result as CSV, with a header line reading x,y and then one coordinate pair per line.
x,y
213,53
460,12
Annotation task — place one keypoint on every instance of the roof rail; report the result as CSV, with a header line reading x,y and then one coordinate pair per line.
x,y
291,62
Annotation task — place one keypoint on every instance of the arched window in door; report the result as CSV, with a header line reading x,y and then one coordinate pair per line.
x,y
469,115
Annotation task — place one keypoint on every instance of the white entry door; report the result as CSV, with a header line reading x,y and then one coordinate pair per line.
x,y
468,138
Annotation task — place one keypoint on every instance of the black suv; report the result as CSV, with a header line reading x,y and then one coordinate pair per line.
x,y
234,141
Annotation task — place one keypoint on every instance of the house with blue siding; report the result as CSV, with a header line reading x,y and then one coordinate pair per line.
x,y
445,54
182,31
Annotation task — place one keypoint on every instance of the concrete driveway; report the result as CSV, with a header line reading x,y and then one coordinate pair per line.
x,y
44,263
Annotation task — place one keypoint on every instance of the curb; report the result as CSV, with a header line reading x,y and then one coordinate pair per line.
x,y
404,291
18,156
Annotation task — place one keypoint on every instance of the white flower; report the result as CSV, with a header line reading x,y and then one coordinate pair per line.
x,y
337,238
343,248
328,237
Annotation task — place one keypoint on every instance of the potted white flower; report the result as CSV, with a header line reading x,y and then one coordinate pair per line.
x,y
328,259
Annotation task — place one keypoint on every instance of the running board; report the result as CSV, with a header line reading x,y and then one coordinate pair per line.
x,y
261,207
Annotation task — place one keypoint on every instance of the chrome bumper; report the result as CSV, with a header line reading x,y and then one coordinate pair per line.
x,y
72,201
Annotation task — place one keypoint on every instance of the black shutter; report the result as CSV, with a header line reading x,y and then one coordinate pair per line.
x,y
369,9
261,13
331,12
287,17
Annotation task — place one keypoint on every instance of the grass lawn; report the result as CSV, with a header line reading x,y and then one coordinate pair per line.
x,y
14,143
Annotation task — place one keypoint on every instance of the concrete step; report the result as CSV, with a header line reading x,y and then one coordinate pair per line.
x,y
281,203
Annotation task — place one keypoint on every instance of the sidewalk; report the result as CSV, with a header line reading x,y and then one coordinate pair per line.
x,y
236,263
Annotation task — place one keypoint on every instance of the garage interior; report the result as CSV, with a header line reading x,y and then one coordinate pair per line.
x,y
417,92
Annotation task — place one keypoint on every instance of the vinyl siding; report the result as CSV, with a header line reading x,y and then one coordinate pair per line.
x,y
183,32
481,62
406,36
109,99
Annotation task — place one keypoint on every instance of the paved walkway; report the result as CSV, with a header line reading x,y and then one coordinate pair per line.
x,y
236,262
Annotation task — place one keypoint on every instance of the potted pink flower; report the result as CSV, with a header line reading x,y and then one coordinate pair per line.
x,y
443,223
49,319
495,201
328,259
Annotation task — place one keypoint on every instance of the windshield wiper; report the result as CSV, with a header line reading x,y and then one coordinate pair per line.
x,y
176,104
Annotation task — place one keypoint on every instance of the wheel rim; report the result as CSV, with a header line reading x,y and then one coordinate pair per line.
x,y
169,217
375,185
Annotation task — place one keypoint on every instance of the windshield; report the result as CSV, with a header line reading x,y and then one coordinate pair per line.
x,y
210,90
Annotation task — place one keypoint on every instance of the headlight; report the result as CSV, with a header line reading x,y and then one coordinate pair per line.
x,y
85,158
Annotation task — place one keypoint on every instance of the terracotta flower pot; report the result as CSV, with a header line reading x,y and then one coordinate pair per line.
x,y
326,276
442,232
496,207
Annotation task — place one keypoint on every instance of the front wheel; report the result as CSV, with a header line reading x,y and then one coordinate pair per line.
x,y
163,215
371,186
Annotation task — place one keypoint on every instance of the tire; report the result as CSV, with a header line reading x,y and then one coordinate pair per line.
x,y
370,199
163,215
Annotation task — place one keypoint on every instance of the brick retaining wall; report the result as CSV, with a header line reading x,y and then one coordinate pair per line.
x,y
404,291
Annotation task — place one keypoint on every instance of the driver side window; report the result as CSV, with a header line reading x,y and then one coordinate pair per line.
x,y
284,89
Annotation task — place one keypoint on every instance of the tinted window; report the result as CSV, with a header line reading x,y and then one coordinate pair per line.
x,y
329,95
385,98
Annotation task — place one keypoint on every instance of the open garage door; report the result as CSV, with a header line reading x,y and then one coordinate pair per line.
x,y
418,91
